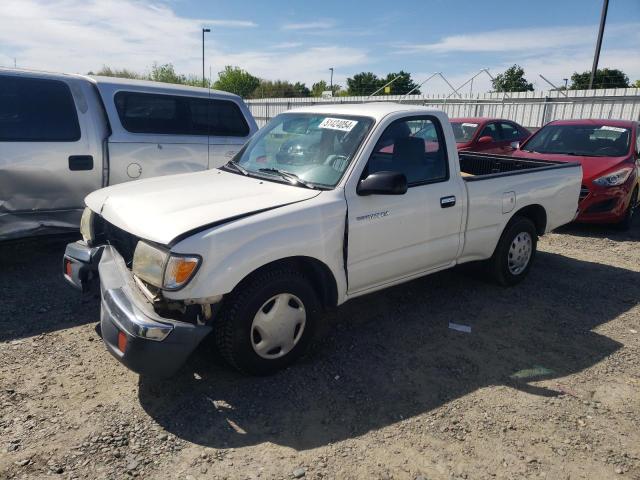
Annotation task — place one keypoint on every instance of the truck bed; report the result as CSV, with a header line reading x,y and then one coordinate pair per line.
x,y
479,166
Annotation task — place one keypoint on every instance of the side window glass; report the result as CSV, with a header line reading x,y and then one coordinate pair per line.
x,y
226,119
509,131
150,113
413,146
37,110
490,131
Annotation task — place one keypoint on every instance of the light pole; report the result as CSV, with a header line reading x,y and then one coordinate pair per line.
x,y
596,55
331,82
566,81
204,30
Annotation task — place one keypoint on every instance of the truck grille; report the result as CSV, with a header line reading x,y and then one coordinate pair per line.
x,y
584,192
124,242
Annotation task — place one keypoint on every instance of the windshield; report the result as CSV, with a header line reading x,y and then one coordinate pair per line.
x,y
585,140
315,149
464,131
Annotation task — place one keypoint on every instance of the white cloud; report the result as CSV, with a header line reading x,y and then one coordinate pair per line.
x,y
317,25
229,23
522,39
77,36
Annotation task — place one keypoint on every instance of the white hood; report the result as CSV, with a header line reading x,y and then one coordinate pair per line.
x,y
162,208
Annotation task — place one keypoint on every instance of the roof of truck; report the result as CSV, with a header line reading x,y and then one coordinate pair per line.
x,y
377,110
117,83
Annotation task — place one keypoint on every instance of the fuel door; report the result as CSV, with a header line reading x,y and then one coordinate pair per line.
x,y
508,201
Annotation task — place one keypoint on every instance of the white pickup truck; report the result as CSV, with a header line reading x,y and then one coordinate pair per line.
x,y
322,205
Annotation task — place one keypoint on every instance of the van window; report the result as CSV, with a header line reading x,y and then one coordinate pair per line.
x,y
179,115
37,110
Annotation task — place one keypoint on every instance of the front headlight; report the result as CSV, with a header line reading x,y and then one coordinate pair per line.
x,y
149,263
86,225
163,269
614,178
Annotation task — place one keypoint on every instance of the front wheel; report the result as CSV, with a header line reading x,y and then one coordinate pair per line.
x,y
629,215
268,321
515,252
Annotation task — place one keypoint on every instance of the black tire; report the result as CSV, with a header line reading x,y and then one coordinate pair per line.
x,y
626,223
234,332
499,263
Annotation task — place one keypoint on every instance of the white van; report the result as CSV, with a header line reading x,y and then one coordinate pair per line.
x,y
64,136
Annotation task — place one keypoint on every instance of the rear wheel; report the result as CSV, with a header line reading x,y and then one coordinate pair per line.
x,y
515,252
629,215
268,321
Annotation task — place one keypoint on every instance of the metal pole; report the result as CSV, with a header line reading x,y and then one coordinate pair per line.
x,y
415,88
204,30
331,82
386,85
549,82
596,56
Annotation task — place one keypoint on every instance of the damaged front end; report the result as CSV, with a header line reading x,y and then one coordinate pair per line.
x,y
145,331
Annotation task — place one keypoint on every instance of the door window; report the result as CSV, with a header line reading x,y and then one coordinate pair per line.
x,y
37,110
413,146
509,132
179,115
490,131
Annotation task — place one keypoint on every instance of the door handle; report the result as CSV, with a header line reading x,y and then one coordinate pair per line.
x,y
80,162
446,202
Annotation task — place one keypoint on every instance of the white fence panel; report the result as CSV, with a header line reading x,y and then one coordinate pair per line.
x,y
531,109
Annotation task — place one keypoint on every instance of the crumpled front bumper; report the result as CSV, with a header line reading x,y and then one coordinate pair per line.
x,y
132,331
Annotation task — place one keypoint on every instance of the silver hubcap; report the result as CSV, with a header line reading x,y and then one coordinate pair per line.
x,y
278,326
520,252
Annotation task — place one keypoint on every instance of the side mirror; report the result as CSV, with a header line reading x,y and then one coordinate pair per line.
x,y
515,145
485,139
383,183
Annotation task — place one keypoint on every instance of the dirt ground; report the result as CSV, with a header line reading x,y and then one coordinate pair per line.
x,y
546,384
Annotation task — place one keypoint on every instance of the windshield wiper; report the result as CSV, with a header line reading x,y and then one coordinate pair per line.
x,y
237,167
289,177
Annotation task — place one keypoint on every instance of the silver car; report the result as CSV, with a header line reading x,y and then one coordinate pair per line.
x,y
64,136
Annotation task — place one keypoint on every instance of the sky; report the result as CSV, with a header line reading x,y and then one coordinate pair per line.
x,y
301,40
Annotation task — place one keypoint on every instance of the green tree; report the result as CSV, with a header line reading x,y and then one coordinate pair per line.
x,y
166,73
364,83
279,89
604,78
236,80
402,85
636,84
107,71
512,80
322,86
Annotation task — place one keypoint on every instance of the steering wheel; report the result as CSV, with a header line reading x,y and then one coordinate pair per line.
x,y
337,162
607,149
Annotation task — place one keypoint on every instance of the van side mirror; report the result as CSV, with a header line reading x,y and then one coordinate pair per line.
x,y
485,139
515,145
383,183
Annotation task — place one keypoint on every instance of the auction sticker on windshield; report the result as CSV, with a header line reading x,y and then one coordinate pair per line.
x,y
338,124
613,129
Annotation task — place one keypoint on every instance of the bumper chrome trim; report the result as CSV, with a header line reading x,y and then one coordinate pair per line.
x,y
125,305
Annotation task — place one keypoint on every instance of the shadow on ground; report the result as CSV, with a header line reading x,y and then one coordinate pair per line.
x,y
35,297
390,356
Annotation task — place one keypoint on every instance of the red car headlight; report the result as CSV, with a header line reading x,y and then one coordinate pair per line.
x,y
614,178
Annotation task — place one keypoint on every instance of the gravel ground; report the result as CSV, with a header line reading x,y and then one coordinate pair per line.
x,y
546,385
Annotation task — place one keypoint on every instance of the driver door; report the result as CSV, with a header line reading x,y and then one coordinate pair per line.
x,y
397,236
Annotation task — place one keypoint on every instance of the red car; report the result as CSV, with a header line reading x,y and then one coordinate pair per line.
x,y
487,135
609,151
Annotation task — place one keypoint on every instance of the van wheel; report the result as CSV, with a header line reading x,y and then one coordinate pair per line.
x,y
626,223
515,252
268,321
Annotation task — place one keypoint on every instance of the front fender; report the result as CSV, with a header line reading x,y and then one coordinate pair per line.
x,y
231,252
